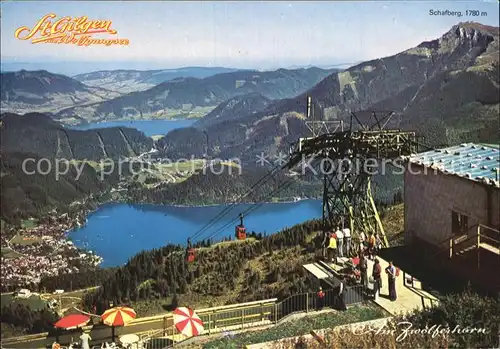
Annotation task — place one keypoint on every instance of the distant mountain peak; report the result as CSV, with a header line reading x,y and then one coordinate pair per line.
x,y
468,32
33,72
475,26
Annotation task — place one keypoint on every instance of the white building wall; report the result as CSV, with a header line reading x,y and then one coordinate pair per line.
x,y
431,197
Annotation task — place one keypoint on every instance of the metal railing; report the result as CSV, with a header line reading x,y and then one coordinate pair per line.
x,y
453,248
271,313
217,320
306,302
473,239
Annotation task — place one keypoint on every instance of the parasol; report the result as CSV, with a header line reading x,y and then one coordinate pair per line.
x,y
118,316
72,321
187,322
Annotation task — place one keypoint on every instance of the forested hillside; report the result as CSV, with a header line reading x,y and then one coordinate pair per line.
x,y
33,146
36,133
218,271
224,184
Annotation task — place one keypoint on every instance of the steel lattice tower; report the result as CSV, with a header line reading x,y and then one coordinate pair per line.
x,y
346,159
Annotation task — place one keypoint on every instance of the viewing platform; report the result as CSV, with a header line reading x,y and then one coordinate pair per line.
x,y
409,291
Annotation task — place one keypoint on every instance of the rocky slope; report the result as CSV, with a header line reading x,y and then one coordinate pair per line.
x,y
41,91
184,96
446,88
126,81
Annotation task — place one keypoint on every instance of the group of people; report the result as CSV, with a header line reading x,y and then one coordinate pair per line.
x,y
85,343
340,243
391,271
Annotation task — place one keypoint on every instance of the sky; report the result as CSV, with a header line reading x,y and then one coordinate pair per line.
x,y
257,35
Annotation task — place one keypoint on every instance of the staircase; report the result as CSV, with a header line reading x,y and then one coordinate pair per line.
x,y
478,238
478,254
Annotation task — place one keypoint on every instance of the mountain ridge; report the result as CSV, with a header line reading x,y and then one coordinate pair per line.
x,y
447,86
42,91
34,138
182,96
133,80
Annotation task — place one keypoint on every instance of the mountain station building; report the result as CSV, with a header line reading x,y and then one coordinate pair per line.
x,y
452,200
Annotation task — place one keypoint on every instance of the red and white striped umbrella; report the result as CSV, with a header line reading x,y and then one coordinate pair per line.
x,y
187,322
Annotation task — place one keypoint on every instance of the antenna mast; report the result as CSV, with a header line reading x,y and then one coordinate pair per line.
x,y
321,125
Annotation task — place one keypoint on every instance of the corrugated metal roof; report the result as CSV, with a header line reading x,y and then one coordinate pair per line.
x,y
473,161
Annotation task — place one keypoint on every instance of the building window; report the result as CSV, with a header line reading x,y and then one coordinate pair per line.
x,y
459,223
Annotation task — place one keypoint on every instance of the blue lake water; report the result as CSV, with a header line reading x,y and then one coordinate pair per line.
x,y
117,232
149,127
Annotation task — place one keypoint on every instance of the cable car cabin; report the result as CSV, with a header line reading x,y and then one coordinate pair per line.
x,y
240,230
190,255
241,233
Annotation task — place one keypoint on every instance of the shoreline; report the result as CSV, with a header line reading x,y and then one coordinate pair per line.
x,y
128,120
86,215
208,205
79,218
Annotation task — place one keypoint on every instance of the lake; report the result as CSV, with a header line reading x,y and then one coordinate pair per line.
x,y
149,127
119,231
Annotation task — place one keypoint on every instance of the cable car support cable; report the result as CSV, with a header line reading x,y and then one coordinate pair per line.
x,y
231,206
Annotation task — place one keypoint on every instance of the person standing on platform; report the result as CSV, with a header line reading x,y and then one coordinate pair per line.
x,y
363,267
332,248
378,244
391,274
377,278
340,242
341,296
362,244
347,242
371,245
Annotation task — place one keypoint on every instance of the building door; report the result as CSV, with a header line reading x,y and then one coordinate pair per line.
x,y
459,223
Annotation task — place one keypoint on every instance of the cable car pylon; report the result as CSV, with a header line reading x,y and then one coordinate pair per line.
x,y
342,158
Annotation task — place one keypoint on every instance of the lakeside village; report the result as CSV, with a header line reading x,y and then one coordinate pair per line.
x,y
35,252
